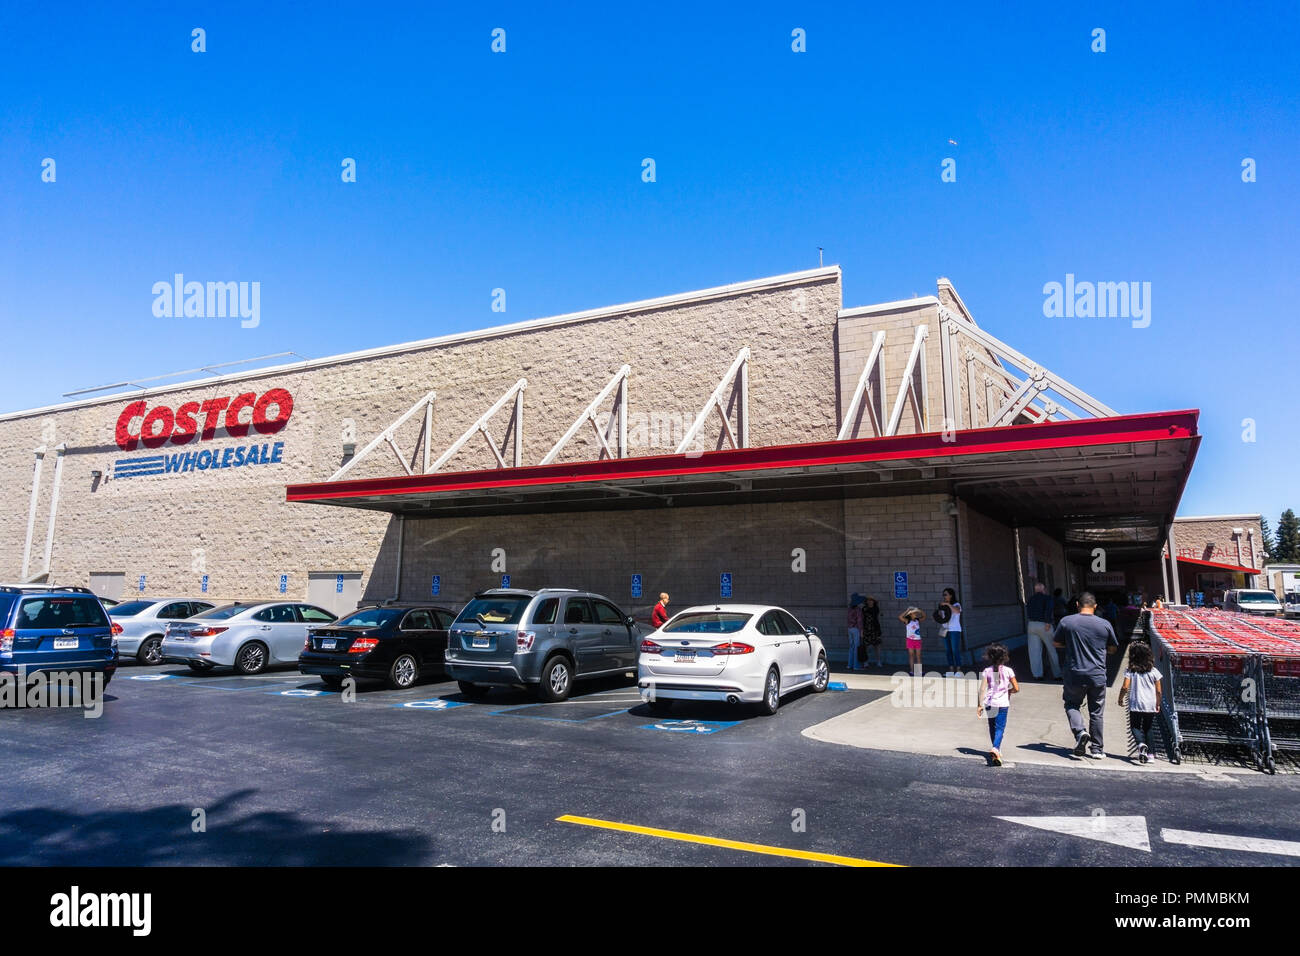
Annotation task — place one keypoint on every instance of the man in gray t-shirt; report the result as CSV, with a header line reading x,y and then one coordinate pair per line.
x,y
1087,640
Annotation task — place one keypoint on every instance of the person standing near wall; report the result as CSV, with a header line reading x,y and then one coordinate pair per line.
x,y
871,636
659,616
1087,640
1039,610
855,629
950,629
913,617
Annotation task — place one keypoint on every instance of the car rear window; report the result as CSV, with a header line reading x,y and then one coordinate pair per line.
x,y
223,612
507,609
129,608
708,622
370,617
52,612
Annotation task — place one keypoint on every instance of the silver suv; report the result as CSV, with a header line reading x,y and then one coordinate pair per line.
x,y
543,639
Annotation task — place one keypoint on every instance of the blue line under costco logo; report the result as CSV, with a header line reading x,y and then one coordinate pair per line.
x,y
154,427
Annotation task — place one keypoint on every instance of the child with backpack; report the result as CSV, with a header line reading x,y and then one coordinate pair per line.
x,y
1141,693
997,684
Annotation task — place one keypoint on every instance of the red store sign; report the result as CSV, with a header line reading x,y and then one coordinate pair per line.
x,y
198,421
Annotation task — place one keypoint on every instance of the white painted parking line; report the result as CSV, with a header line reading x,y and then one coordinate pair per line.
x,y
1121,831
1224,841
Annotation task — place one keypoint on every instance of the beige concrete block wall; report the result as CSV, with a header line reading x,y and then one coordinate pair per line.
x,y
855,335
1213,540
679,550
247,534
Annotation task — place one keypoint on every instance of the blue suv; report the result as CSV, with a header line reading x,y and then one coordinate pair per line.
x,y
55,629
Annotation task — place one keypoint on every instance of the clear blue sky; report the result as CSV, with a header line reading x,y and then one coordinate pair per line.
x,y
522,171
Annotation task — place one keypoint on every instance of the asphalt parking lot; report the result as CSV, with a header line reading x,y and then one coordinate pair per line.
x,y
276,769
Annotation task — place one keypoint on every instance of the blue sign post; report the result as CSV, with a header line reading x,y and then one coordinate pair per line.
x,y
284,583
338,584
900,584
203,584
435,587
142,584
505,580
724,584
636,585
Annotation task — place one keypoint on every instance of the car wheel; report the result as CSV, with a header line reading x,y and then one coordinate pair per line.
x,y
251,658
557,679
332,681
150,651
771,693
473,691
199,666
404,672
822,679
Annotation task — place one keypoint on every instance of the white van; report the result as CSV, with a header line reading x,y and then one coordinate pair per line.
x,y
1253,601
1292,603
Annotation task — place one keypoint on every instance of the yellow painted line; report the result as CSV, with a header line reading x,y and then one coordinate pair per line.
x,y
717,841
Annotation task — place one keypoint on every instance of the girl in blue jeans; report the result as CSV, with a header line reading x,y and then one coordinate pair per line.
x,y
997,684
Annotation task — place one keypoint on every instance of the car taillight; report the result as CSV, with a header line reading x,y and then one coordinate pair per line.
x,y
650,647
524,640
7,640
732,647
207,631
363,644
117,629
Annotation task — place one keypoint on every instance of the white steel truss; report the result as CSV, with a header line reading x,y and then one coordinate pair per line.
x,y
616,427
738,377
913,384
1040,395
871,387
515,392
425,403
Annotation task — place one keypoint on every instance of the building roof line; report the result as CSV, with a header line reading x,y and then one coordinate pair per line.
x,y
454,338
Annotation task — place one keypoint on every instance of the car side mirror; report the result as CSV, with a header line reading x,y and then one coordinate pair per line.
x,y
810,629
631,622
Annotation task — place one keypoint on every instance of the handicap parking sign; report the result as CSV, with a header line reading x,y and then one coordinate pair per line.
x,y
142,584
284,583
505,580
203,584
724,584
338,584
900,584
436,586
636,585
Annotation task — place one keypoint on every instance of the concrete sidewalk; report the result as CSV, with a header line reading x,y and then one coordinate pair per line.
x,y
935,715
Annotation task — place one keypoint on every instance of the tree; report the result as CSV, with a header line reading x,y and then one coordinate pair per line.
x,y
1287,548
1266,543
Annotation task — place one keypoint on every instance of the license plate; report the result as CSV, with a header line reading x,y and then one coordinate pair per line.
x,y
480,642
686,657
328,645
66,643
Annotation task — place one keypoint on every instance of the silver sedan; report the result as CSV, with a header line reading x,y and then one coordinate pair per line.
x,y
144,622
250,637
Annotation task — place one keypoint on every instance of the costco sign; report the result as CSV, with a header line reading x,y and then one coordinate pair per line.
x,y
198,421
225,417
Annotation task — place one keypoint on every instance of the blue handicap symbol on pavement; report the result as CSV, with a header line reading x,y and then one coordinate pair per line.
x,y
691,726
298,693
837,685
153,677
438,704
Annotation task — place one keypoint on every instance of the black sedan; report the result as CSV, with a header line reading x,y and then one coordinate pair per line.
x,y
396,643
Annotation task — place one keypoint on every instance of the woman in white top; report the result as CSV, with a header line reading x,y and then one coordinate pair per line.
x,y
951,632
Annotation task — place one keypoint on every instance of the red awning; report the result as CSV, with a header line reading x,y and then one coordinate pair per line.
x,y
1219,567
1112,482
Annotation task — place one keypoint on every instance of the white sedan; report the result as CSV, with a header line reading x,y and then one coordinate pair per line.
x,y
750,653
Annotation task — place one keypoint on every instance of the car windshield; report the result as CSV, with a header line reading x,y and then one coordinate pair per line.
x,y
503,609
710,622
223,612
129,608
1293,598
1257,597
52,612
370,617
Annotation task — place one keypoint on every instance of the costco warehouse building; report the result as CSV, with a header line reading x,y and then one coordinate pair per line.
x,y
756,437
